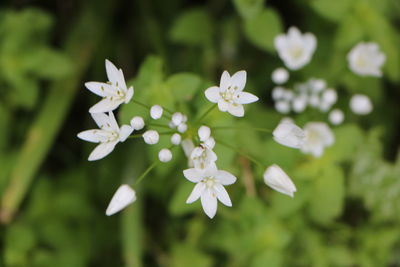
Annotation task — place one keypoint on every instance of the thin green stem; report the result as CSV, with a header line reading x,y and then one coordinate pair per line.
x,y
141,177
241,128
206,113
251,158
159,125
135,136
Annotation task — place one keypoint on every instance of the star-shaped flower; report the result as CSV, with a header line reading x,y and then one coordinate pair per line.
x,y
209,187
229,95
114,92
108,135
366,59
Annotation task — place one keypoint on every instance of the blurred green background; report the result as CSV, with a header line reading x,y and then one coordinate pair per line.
x,y
347,208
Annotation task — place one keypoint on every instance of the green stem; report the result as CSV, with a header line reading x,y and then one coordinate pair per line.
x,y
135,136
251,158
141,177
159,125
206,113
241,128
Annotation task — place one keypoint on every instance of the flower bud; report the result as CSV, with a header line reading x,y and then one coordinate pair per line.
x,y
176,139
182,127
329,96
137,123
289,134
204,133
360,104
177,118
336,116
280,76
156,112
278,180
124,196
282,106
151,137
165,155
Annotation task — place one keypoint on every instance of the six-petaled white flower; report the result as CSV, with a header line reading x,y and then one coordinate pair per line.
x,y
318,136
108,135
229,95
366,59
209,187
114,92
294,48
278,180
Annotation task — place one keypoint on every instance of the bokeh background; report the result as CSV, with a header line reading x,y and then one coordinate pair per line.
x,y
347,208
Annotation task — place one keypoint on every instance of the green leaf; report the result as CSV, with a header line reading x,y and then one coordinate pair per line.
x,y
248,8
183,86
192,27
261,29
332,10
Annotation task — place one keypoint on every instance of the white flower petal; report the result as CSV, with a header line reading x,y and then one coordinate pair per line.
x,y
225,81
236,110
112,72
105,105
278,180
246,98
124,196
90,136
129,95
212,94
222,195
194,175
98,88
125,132
223,105
101,119
112,122
209,203
121,81
289,134
225,178
239,79
102,150
196,192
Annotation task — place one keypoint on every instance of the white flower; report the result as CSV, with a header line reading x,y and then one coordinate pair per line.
x,y
204,133
124,196
366,59
360,104
294,48
318,135
229,95
108,135
165,155
280,76
151,137
209,187
137,123
289,134
278,180
336,116
176,139
114,92
156,112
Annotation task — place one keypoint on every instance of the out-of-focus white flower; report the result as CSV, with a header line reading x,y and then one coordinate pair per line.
x,y
108,135
137,123
278,93
278,180
317,85
282,106
124,196
165,155
203,156
176,139
114,92
294,48
209,187
329,96
314,101
182,127
156,112
360,104
299,103
229,95
151,137
318,135
336,116
366,59
289,134
204,133
280,76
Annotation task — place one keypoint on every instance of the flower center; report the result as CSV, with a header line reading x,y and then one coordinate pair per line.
x,y
296,52
209,182
230,94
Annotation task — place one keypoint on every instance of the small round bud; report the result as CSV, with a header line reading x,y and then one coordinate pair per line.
x,y
360,104
137,123
299,103
177,118
329,96
151,137
156,112
182,127
165,155
314,101
280,76
336,116
176,139
278,93
282,107
204,133
317,85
